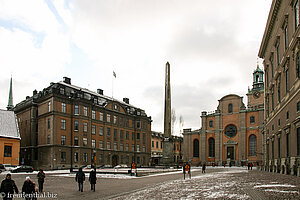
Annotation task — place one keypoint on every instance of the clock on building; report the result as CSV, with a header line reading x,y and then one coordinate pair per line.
x,y
256,94
230,131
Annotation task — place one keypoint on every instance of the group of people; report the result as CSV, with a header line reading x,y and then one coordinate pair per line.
x,y
29,188
80,178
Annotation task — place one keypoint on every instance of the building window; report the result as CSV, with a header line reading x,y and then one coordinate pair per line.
x,y
279,148
115,119
63,156
152,144
63,140
85,157
298,106
84,142
230,108
101,116
108,117
287,80
211,147
298,64
76,110
93,143
127,147
287,115
211,123
93,129
76,141
76,157
132,148
101,144
273,150
63,124
127,135
137,136
138,124
144,138
49,106
196,148
115,134
133,136
252,120
287,145
85,111
296,8
122,134
157,144
63,107
108,132
278,56
286,37
7,151
85,127
298,141
278,91
48,139
137,147
115,146
272,65
76,125
121,147
108,145
252,145
144,149
93,114
101,130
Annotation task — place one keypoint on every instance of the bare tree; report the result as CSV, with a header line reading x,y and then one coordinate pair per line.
x,y
181,123
173,120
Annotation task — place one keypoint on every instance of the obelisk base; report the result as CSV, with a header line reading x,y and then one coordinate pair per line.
x,y
168,153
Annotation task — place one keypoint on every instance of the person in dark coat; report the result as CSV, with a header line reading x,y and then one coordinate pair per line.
x,y
203,168
80,178
28,188
8,186
93,179
41,177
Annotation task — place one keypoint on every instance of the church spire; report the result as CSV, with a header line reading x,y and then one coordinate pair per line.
x,y
10,105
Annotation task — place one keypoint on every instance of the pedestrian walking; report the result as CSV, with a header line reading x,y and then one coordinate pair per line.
x,y
41,177
224,164
203,168
80,178
28,189
8,187
93,179
251,165
248,166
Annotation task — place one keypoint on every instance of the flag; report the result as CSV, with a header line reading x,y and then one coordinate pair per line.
x,y
114,74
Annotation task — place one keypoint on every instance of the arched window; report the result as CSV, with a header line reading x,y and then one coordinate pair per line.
x,y
211,147
252,145
196,148
230,108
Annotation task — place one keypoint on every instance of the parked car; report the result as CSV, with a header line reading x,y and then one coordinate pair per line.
x,y
9,167
121,166
22,168
2,168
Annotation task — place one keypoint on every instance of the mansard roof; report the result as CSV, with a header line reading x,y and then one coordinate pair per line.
x,y
8,125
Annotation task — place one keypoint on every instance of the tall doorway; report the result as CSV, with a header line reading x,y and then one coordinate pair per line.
x,y
230,153
114,160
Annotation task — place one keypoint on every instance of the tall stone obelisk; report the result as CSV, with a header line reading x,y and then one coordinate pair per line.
x,y
168,153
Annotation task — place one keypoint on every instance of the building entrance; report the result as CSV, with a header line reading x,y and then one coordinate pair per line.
x,y
230,153
114,160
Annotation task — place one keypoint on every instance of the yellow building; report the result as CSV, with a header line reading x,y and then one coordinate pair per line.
x,y
9,138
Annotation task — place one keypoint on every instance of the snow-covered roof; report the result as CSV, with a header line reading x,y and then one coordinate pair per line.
x,y
8,124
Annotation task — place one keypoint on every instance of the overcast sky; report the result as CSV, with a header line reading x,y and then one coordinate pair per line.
x,y
212,48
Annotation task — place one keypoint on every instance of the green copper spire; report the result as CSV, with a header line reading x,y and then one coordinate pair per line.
x,y
10,105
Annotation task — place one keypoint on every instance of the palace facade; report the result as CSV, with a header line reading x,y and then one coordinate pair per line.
x,y
280,50
66,126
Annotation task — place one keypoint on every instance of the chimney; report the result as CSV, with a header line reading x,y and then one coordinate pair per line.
x,y
34,92
67,80
187,130
99,91
126,100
